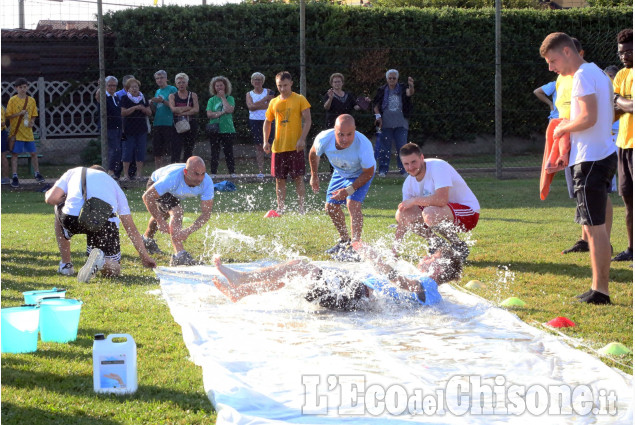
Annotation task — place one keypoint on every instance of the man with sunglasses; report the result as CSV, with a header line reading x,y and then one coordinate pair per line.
x,y
166,188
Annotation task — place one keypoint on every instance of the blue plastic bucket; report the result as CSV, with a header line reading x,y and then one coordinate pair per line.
x,y
32,297
59,319
19,329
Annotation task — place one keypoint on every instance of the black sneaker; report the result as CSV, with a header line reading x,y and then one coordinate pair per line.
x,y
15,182
584,295
580,246
151,246
347,255
39,178
461,249
338,247
597,298
183,258
626,255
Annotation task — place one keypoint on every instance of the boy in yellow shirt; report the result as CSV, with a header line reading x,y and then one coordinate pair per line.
x,y
292,114
21,112
5,149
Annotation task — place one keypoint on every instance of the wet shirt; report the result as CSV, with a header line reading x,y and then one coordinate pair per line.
x,y
170,179
349,162
440,174
98,184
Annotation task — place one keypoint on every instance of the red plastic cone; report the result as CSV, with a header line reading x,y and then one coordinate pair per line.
x,y
560,322
271,213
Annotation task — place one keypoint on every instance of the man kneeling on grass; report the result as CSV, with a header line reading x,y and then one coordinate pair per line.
x,y
437,203
166,187
102,246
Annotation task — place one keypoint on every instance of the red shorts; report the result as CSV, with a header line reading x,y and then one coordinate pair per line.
x,y
464,217
291,164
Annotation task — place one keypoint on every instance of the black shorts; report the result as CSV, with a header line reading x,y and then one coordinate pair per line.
x,y
162,138
591,185
167,201
337,292
625,171
106,238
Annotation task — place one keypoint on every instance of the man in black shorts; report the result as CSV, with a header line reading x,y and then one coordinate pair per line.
x,y
102,246
593,159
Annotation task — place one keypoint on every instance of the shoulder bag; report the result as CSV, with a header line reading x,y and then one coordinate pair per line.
x,y
182,124
95,212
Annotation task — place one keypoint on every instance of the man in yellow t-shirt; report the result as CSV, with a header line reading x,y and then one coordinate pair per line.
x,y
623,102
21,112
5,150
292,114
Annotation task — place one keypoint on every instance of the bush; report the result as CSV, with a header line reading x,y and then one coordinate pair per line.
x,y
448,51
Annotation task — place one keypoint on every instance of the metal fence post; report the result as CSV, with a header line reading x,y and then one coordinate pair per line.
x,y
498,96
41,91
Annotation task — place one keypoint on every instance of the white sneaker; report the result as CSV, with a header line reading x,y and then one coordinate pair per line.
x,y
66,269
95,262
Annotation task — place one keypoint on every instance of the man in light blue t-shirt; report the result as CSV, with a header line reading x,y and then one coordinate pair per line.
x,y
164,133
166,187
543,93
351,155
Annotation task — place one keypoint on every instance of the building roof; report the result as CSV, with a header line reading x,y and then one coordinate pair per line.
x,y
49,33
66,25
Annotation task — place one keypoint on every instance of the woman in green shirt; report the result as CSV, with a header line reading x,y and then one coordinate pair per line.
x,y
220,109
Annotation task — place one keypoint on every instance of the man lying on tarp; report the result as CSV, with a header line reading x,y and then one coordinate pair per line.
x,y
343,290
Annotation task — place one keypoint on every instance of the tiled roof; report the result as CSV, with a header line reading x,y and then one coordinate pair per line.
x,y
49,33
66,25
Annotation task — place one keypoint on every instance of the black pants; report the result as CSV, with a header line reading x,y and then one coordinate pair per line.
x,y
186,142
226,141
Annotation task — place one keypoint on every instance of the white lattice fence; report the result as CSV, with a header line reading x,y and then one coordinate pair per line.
x,y
66,110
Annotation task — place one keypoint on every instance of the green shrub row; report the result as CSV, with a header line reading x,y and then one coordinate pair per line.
x,y
449,52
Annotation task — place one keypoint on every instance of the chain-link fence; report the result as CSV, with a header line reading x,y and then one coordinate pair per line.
x,y
450,119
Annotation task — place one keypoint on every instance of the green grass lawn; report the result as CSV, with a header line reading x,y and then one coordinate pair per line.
x,y
517,253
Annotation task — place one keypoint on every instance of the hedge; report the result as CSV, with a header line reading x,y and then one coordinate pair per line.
x,y
449,52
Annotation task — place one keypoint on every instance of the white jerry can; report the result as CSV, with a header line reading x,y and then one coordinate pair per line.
x,y
114,364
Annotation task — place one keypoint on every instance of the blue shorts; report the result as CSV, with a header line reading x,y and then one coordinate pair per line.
x,y
20,147
5,141
384,288
339,182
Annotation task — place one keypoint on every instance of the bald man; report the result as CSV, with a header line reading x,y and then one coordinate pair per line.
x,y
351,155
166,188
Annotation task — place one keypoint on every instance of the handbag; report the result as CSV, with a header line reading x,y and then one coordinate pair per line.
x,y
95,212
14,132
182,124
211,129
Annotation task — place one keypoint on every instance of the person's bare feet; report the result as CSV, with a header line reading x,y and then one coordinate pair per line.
x,y
234,277
227,290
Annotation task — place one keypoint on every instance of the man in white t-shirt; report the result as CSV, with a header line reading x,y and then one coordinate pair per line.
x,y
352,157
593,159
437,203
166,188
102,246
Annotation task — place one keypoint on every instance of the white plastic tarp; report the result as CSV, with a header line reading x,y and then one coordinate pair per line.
x,y
275,358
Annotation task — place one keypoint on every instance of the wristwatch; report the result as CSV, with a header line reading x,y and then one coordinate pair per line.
x,y
350,189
